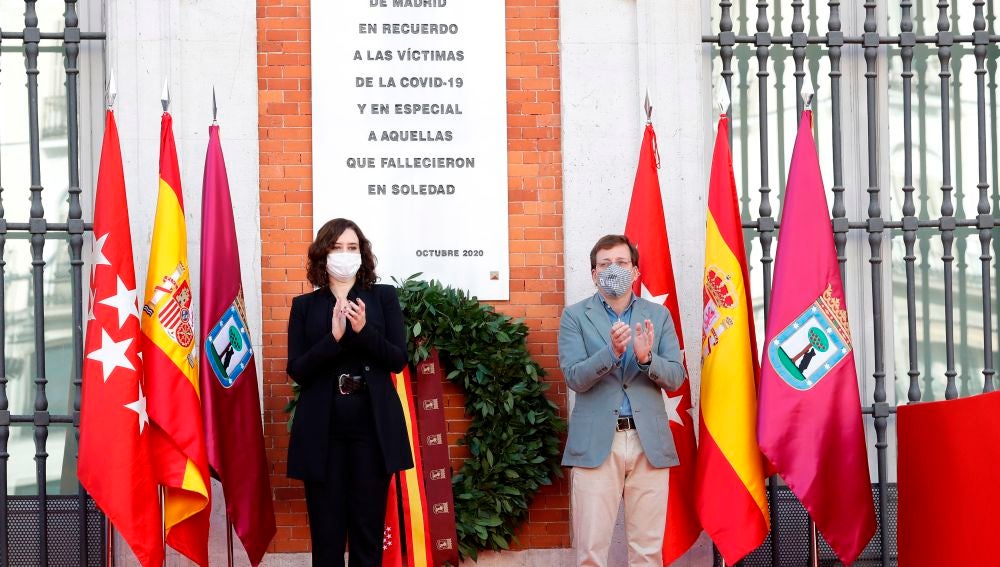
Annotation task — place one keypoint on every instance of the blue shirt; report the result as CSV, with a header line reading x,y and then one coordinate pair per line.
x,y
626,317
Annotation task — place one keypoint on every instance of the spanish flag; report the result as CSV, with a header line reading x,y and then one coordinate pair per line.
x,y
409,544
171,367
729,494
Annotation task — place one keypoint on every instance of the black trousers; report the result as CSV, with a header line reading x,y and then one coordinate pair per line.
x,y
349,507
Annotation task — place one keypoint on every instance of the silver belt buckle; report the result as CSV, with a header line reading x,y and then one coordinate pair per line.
x,y
341,382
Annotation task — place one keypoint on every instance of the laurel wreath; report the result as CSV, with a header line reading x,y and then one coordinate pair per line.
x,y
513,439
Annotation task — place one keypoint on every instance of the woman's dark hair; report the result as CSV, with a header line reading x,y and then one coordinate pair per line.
x,y
325,239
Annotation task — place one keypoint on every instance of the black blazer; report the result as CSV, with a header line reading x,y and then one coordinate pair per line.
x,y
315,360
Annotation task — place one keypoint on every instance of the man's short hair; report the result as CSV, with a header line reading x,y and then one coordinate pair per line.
x,y
608,242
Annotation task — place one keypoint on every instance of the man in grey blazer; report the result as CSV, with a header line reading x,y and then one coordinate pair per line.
x,y
618,352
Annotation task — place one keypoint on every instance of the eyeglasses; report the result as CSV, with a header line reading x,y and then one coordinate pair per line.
x,y
621,263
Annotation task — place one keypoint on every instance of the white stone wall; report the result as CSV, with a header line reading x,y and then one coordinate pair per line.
x,y
605,74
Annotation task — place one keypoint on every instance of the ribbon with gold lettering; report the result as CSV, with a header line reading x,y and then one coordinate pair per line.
x,y
437,465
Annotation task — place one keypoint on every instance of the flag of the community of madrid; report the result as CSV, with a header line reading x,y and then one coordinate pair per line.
x,y
230,398
170,361
731,499
647,229
809,421
115,464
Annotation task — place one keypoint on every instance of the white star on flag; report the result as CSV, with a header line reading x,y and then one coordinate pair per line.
x,y
99,258
673,402
111,355
646,294
139,407
125,301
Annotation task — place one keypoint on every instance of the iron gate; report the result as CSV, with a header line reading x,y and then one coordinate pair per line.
x,y
41,336
870,69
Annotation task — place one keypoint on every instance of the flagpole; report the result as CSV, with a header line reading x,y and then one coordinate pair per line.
x,y
807,95
110,544
719,102
109,528
165,103
163,516
229,539
813,544
229,525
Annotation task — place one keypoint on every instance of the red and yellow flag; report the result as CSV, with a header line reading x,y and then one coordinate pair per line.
x,y
729,493
171,367
413,498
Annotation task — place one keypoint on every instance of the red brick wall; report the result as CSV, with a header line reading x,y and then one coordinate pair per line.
x,y
535,220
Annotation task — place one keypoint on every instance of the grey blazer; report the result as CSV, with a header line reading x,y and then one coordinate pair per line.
x,y
587,366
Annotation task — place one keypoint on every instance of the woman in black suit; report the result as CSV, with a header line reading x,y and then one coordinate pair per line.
x,y
348,435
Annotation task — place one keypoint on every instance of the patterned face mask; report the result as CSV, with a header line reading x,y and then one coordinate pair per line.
x,y
615,280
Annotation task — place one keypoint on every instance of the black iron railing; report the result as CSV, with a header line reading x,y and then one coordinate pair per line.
x,y
891,59
45,529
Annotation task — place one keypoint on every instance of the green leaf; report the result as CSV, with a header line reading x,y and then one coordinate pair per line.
x,y
491,521
499,541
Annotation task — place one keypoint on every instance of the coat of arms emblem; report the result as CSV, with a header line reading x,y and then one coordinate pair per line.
x,y
719,299
816,341
171,302
227,345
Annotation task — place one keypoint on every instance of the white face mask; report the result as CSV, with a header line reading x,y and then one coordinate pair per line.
x,y
343,266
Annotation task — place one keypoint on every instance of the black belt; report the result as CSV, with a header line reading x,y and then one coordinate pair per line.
x,y
348,384
625,423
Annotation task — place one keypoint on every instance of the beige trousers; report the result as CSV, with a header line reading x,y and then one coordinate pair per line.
x,y
597,492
